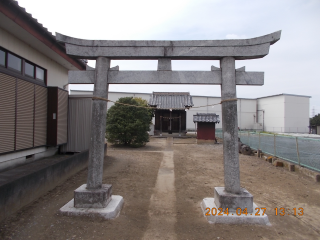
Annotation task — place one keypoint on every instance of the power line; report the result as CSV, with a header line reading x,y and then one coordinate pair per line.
x,y
313,112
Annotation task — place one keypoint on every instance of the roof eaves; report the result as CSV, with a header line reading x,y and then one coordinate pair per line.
x,y
17,14
285,94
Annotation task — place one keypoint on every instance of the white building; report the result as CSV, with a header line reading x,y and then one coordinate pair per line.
x,y
284,113
277,113
33,104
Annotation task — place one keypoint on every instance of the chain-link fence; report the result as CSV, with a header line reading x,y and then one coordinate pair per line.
x,y
219,132
298,150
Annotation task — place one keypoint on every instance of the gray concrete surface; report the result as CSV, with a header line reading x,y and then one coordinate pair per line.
x,y
269,38
208,207
164,64
111,211
22,185
15,159
93,198
168,77
81,76
175,53
224,200
98,124
241,69
214,68
183,50
163,199
230,126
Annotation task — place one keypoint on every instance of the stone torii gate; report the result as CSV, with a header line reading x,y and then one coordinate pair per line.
x,y
97,195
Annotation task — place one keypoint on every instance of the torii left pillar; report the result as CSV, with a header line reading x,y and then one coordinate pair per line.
x,y
95,198
94,194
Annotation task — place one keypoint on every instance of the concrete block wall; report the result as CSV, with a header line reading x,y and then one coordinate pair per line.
x,y
23,185
11,160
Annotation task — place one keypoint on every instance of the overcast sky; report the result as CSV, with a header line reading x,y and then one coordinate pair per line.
x,y
292,65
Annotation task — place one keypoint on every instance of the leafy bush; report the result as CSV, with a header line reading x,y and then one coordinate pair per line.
x,y
129,125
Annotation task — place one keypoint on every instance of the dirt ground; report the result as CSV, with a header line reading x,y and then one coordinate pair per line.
x,y
189,172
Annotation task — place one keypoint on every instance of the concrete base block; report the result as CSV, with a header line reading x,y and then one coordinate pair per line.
x,y
232,201
259,153
111,211
277,163
255,217
92,198
291,167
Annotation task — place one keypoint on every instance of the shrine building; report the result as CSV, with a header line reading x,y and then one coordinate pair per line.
x,y
170,113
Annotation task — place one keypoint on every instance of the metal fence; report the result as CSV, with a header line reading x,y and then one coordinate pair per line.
x,y
302,151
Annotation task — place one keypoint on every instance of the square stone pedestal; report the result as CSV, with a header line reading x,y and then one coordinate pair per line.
x,y
112,210
94,203
224,200
236,205
92,198
213,216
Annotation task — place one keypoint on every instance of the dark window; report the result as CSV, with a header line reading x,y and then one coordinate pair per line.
x,y
39,73
14,62
2,58
26,68
29,69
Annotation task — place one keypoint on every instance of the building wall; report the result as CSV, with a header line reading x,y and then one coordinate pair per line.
x,y
23,121
281,112
246,113
114,96
79,124
273,113
203,101
246,110
284,113
296,118
57,75
246,107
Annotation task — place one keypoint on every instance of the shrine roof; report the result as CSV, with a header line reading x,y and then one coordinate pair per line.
x,y
171,100
206,117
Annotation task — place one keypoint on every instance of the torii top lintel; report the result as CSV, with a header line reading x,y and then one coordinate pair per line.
x,y
240,49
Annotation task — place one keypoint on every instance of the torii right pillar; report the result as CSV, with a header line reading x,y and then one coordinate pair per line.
x,y
236,203
230,126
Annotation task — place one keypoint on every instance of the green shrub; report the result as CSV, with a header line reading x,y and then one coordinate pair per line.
x,y
129,125
315,120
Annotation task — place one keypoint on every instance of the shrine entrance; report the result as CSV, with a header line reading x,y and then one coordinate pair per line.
x,y
170,115
170,121
96,197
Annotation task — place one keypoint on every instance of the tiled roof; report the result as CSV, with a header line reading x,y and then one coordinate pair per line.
x,y
12,10
171,100
206,117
